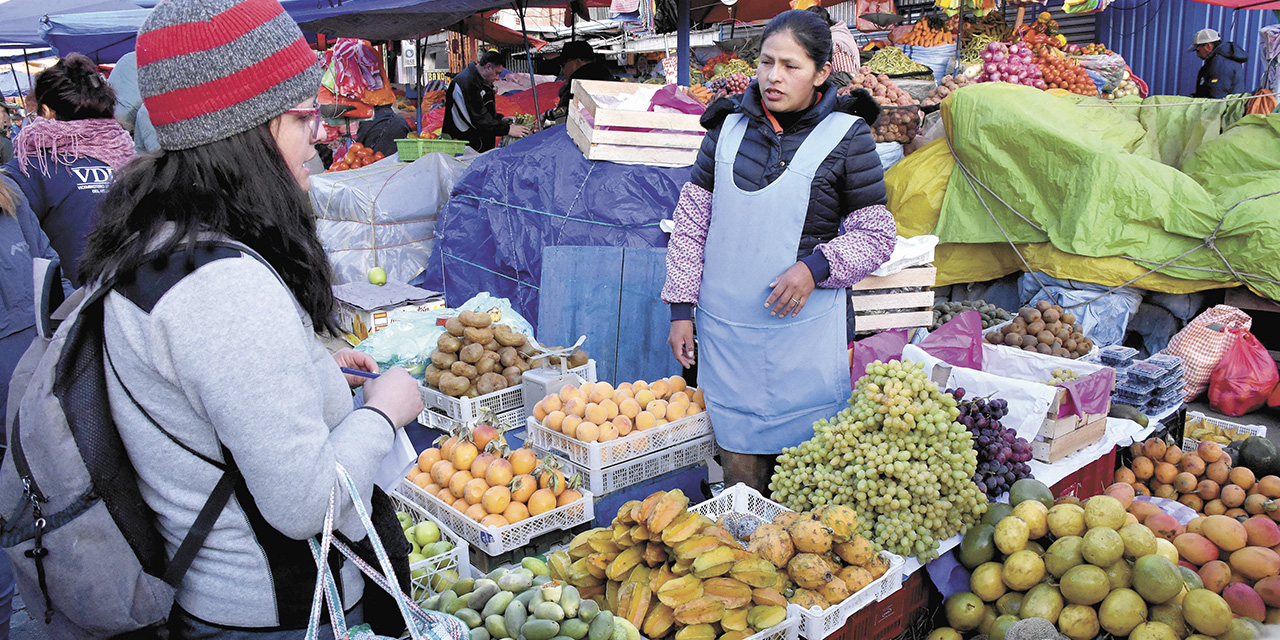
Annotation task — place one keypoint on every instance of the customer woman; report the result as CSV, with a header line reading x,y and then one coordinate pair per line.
x,y
783,212
64,158
217,344
845,54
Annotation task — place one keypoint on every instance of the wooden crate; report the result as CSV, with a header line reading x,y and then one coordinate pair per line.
x,y
1055,427
905,309
1055,449
627,136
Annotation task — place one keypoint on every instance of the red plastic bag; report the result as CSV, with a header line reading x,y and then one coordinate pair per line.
x,y
1274,400
1241,382
1201,345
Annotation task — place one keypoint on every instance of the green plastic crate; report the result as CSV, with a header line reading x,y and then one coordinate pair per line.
x,y
411,149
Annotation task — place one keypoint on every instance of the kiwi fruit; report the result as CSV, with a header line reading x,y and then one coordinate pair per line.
x,y
1051,315
1036,327
1013,340
1030,340
1044,305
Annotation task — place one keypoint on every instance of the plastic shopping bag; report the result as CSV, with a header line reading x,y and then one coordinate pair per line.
x,y
1241,382
1202,343
883,346
958,342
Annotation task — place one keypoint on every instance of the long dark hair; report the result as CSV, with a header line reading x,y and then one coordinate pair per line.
x,y
238,187
75,90
807,28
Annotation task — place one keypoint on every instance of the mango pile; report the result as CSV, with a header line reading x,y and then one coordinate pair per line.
x,y
1204,480
1088,568
671,572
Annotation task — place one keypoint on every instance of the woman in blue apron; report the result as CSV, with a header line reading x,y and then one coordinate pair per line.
x,y
782,213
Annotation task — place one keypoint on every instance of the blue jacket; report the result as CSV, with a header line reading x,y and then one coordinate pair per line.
x,y
65,202
849,179
1222,73
381,133
21,241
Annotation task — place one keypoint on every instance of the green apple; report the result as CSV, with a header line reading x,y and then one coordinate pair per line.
x,y
417,574
416,548
408,535
416,557
405,520
426,533
378,276
437,548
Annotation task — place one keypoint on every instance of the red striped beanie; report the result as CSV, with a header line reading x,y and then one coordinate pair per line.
x,y
209,69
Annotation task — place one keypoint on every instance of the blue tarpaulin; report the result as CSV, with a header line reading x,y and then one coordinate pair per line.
x,y
20,19
102,36
536,193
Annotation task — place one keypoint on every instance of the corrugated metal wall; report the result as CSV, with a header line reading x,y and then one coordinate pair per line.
x,y
1154,37
1079,28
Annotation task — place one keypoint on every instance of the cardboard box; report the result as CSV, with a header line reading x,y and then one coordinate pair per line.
x,y
364,308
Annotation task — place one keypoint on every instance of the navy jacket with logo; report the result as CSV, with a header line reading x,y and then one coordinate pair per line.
x,y
65,200
1222,73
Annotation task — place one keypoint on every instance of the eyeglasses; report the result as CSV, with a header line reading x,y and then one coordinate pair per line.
x,y
317,124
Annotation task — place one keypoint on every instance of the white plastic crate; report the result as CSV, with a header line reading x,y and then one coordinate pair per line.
x,y
498,540
813,624
1190,444
598,455
609,479
441,412
455,561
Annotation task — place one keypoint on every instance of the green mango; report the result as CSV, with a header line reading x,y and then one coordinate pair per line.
x,y
498,604
588,610
977,547
570,601
516,615
538,629
471,617
457,605
496,626
480,633
601,627
575,628
464,586
549,611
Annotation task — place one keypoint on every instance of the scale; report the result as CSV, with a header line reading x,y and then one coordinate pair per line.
x,y
882,20
547,379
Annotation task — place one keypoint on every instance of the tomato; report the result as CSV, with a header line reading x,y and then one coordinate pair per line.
x,y
364,152
378,156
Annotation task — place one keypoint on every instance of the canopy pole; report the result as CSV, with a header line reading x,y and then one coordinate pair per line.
x,y
418,60
27,66
682,42
533,80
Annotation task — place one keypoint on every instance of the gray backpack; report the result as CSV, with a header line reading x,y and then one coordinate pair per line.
x,y
84,546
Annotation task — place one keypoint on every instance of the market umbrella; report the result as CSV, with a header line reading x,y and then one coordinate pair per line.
x,y
479,26
1245,4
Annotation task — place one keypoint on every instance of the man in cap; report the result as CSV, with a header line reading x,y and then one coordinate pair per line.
x,y
578,62
1222,73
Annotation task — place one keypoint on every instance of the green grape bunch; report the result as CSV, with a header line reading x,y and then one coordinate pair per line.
x,y
1059,375
897,456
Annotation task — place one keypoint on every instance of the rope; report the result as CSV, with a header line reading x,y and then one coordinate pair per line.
x,y
1209,242
484,268
556,215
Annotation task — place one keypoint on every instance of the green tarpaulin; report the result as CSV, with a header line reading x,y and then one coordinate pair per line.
x,y
1104,191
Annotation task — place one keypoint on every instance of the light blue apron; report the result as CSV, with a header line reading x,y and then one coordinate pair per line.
x,y
767,379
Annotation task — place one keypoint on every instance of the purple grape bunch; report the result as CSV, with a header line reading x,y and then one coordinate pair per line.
x,y
1002,455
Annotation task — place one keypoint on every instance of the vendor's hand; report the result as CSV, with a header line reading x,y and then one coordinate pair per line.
x,y
681,341
396,394
352,359
518,131
790,291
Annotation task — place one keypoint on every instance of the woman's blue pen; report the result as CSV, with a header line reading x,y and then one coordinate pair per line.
x,y
358,372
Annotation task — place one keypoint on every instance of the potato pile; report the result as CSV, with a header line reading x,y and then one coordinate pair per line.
x,y
948,86
900,118
474,357
1045,328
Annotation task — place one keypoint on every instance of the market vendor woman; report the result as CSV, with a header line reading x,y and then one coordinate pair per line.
x,y
783,211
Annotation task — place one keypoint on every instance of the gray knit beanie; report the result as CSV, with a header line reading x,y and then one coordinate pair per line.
x,y
210,69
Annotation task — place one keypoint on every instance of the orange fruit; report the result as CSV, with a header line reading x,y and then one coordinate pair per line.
x,y
523,486
623,425
553,420
441,472
433,489
540,410
608,432
458,482
481,464
569,495
588,431
496,499
474,490
645,420
597,414
660,389
610,407
552,403
422,479
570,426
542,501
446,496
552,479
476,512
461,505
464,454
516,511
675,411
523,460
494,520
446,449
427,458
676,384
499,473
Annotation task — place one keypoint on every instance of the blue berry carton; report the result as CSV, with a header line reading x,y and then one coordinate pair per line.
x,y
1165,361
1136,386
1117,355
1145,371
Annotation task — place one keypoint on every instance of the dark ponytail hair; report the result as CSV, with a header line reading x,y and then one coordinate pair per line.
x,y
75,90
817,10
807,28
240,188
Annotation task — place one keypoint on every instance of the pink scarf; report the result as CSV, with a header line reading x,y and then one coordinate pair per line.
x,y
69,140
843,38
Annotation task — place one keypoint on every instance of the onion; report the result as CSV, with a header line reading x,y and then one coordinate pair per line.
x,y
1013,49
1040,84
986,56
1002,67
993,47
998,57
991,67
1014,79
995,77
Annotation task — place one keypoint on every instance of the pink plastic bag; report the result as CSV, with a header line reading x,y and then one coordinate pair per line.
x,y
672,98
958,342
1244,378
883,346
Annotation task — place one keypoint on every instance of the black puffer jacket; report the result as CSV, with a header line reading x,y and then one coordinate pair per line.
x,y
851,177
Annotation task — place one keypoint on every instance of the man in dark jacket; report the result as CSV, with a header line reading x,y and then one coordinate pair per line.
x,y
381,133
579,63
1223,70
470,113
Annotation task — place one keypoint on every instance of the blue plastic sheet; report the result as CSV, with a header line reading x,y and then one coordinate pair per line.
x,y
536,193
1104,316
